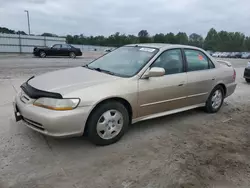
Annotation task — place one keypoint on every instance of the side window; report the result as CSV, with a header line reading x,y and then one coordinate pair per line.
x,y
57,46
196,60
65,46
171,61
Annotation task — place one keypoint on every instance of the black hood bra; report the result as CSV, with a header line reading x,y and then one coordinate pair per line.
x,y
36,93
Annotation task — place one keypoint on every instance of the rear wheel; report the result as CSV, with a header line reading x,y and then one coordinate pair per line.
x,y
107,123
247,80
72,55
42,54
215,100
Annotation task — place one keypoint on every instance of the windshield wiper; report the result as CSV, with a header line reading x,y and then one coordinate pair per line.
x,y
102,70
99,70
87,66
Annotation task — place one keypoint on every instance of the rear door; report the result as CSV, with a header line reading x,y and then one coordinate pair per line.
x,y
165,93
65,49
201,76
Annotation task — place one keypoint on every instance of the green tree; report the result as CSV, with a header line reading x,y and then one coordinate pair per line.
x,y
159,38
247,44
181,38
215,41
143,36
223,41
70,39
196,40
211,40
170,38
6,30
21,33
237,41
49,35
132,39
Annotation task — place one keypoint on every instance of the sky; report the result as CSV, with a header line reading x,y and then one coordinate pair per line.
x,y
105,17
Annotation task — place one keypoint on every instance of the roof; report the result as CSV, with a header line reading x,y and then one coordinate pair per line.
x,y
162,45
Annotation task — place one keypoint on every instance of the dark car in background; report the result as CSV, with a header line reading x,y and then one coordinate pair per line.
x,y
247,73
235,55
57,50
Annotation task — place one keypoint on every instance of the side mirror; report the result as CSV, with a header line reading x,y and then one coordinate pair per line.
x,y
154,72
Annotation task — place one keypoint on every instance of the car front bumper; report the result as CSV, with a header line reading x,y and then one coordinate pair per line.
x,y
36,53
49,122
247,73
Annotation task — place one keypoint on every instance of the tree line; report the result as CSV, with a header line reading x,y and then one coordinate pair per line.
x,y
222,41
9,31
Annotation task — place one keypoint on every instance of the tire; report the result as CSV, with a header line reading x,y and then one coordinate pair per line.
x,y
72,55
42,54
247,80
106,130
214,103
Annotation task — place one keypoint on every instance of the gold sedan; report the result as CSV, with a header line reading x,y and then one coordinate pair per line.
x,y
130,84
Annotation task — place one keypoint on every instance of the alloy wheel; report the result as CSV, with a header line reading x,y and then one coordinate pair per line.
x,y
217,99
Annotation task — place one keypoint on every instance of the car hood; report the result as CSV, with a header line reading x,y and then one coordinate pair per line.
x,y
69,80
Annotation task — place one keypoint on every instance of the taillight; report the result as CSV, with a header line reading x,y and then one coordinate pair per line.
x,y
234,76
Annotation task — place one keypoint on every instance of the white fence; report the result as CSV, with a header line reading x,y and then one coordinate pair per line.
x,y
13,43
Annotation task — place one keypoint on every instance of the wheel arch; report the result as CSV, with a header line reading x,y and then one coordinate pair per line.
x,y
41,50
121,100
224,88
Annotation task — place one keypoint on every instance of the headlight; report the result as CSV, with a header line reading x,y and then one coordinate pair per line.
x,y
57,104
248,64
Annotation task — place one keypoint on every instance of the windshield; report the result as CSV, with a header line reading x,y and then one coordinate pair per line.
x,y
125,61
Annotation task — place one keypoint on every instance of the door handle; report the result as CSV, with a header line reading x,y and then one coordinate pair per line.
x,y
182,84
213,79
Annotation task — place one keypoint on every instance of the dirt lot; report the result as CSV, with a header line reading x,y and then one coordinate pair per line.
x,y
187,150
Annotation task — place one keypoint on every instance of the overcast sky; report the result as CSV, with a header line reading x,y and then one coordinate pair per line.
x,y
105,17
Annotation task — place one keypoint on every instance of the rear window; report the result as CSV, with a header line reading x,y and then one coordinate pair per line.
x,y
196,60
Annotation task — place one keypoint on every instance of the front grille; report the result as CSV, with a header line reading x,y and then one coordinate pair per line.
x,y
247,73
33,124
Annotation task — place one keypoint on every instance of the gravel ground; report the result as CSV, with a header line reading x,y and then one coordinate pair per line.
x,y
186,150
23,66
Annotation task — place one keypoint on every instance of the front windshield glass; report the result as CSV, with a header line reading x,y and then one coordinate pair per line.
x,y
125,61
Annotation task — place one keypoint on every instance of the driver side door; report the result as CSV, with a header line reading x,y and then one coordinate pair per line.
x,y
55,50
165,93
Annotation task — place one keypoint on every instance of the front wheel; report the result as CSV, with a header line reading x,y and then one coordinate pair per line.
x,y
215,100
247,80
107,123
42,54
